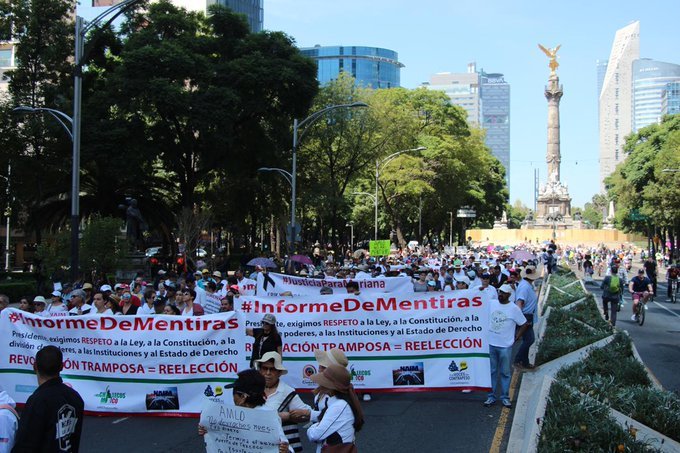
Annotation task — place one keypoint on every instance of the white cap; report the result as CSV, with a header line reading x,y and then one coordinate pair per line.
x,y
507,289
105,288
56,293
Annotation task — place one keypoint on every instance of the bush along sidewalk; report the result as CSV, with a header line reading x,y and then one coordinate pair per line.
x,y
578,415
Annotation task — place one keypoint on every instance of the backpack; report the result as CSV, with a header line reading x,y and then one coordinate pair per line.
x,y
614,284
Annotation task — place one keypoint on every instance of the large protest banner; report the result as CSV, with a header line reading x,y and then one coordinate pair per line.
x,y
272,284
165,365
395,342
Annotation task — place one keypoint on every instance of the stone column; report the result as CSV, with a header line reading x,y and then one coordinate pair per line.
x,y
553,93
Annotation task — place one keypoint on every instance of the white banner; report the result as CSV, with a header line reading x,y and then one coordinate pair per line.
x,y
402,341
239,429
273,284
166,365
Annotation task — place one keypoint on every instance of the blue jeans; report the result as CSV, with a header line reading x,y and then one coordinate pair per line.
x,y
528,339
500,364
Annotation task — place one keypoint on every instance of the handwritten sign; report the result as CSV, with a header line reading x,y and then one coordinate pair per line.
x,y
239,429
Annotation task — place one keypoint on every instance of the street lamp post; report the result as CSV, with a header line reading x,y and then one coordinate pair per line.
x,y
383,162
298,132
351,241
8,214
450,228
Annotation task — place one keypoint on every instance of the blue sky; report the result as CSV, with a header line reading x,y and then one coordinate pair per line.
x,y
501,36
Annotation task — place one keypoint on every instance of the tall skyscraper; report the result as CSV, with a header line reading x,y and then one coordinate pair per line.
x,y
616,98
372,67
496,117
650,79
670,99
486,99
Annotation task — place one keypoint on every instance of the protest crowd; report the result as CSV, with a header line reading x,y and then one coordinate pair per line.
x,y
506,275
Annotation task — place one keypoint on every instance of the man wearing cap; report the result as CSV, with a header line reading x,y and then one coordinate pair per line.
x,y
39,303
504,317
205,278
79,305
283,398
486,286
267,338
87,287
57,307
458,272
527,301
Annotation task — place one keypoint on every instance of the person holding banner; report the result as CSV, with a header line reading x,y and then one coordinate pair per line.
x,y
267,339
283,398
343,417
248,391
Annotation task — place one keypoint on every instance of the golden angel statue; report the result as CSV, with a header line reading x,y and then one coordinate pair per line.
x,y
552,54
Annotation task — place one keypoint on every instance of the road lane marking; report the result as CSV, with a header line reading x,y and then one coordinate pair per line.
x,y
503,419
667,309
119,420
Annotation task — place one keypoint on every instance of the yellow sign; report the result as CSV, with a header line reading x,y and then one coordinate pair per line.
x,y
379,248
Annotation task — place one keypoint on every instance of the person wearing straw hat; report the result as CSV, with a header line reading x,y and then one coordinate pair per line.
x,y
267,338
343,417
248,391
39,303
283,398
527,300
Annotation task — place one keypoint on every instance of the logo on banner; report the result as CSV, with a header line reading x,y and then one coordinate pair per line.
x,y
409,374
109,398
163,399
307,372
358,376
458,373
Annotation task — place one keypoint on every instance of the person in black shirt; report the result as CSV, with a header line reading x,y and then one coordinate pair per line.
x,y
650,269
267,339
52,419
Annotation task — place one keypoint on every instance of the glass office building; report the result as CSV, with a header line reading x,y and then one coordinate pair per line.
x,y
252,9
372,67
650,79
495,95
670,99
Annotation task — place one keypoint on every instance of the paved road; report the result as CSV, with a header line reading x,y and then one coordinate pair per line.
x,y
658,340
426,422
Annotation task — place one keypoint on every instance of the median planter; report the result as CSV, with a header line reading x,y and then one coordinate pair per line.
x,y
596,395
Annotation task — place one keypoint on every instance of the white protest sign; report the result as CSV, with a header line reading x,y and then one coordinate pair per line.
x,y
395,342
247,287
212,303
165,365
239,429
273,284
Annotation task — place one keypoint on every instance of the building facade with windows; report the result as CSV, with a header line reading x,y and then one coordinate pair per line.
x,y
670,99
372,67
650,80
252,9
616,99
486,99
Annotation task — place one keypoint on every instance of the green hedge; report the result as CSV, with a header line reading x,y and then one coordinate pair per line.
x,y
17,289
574,423
589,313
564,335
614,376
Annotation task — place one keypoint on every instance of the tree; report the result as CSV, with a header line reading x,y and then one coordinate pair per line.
x,y
646,196
517,212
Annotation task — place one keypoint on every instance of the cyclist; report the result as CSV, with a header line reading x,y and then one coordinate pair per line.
x,y
640,286
672,274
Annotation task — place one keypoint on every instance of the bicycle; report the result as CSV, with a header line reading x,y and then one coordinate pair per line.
x,y
640,310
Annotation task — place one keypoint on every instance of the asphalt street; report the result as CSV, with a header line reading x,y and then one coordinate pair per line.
x,y
658,340
426,422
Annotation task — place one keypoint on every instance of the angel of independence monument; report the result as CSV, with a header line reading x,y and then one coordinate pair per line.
x,y
553,205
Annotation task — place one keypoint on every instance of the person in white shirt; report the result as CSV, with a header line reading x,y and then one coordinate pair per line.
x,y
79,306
39,304
147,307
503,318
343,418
282,398
100,308
486,286
57,308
